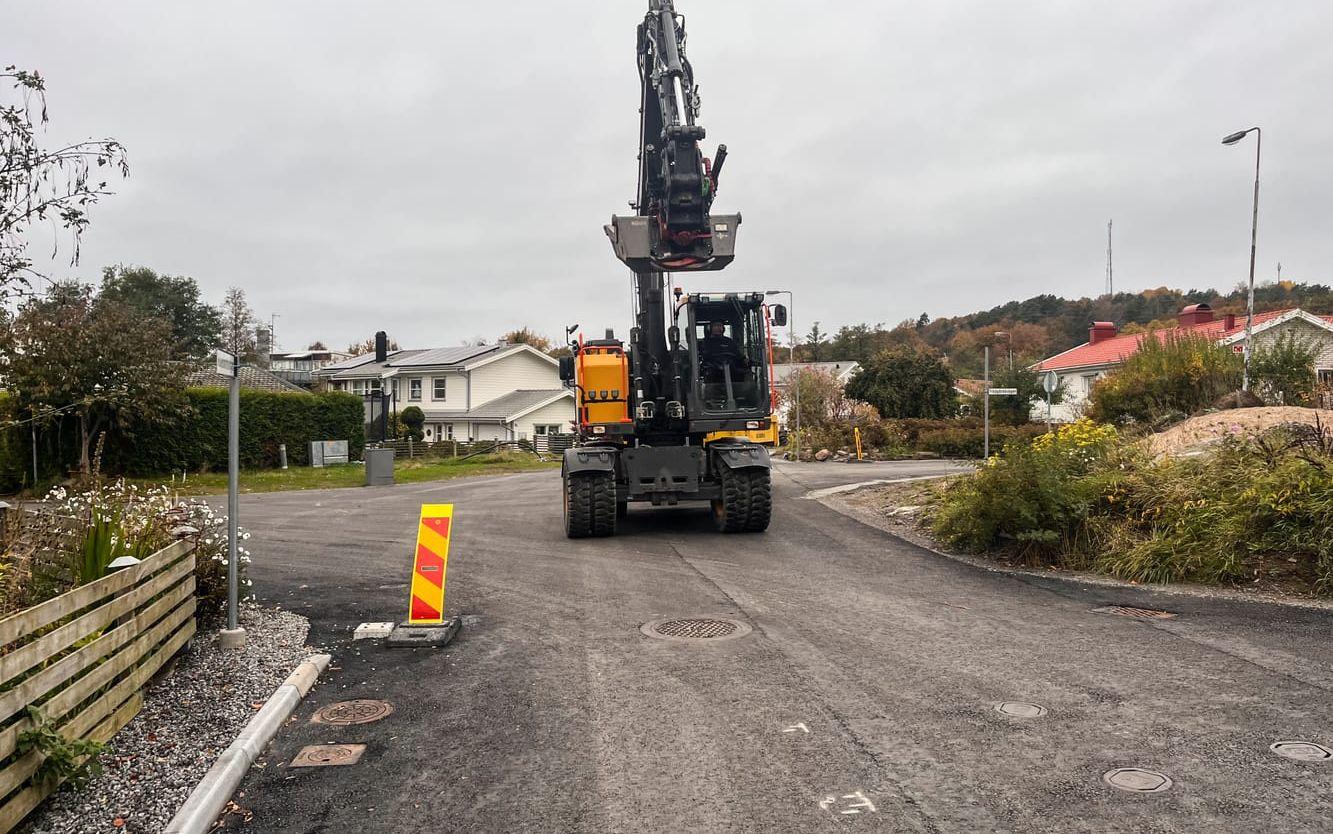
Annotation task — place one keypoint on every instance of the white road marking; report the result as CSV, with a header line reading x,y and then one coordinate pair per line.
x,y
797,727
860,803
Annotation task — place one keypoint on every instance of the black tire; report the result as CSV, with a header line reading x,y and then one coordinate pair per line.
x,y
746,505
590,505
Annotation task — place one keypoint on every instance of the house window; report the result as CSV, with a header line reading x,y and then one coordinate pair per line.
x,y
546,429
365,386
439,388
414,390
1088,381
447,431
1326,376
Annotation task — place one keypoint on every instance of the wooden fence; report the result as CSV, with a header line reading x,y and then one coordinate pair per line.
x,y
83,659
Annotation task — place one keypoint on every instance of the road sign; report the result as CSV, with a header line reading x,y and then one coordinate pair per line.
x,y
1003,392
1050,381
1238,348
226,362
429,565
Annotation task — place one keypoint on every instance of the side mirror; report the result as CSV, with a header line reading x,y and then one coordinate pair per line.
x,y
566,369
778,313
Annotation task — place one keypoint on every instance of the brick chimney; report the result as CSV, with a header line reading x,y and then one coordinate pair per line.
x,y
1101,331
1195,314
381,346
1229,321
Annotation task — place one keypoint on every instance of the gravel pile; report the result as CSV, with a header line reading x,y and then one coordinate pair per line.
x,y
189,717
1206,429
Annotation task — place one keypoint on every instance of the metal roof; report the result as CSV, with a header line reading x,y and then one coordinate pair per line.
x,y
443,356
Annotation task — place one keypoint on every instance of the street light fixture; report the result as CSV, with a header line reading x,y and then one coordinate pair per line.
x,y
796,389
1232,139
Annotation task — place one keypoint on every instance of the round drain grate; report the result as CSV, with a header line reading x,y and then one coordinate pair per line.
x,y
695,629
1305,751
344,713
1137,780
1020,709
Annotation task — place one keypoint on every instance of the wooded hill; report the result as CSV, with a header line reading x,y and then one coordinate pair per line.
x,y
1047,324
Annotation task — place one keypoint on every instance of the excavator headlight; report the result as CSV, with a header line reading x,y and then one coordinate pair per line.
x,y
752,424
599,429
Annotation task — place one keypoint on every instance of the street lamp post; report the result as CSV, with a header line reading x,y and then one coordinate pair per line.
x,y
1254,239
796,388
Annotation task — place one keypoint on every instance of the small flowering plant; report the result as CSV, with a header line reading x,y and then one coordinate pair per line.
x,y
109,520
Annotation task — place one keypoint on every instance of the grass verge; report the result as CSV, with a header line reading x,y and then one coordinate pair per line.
x,y
348,475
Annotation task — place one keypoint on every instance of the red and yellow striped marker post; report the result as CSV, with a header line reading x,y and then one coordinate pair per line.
x,y
430,564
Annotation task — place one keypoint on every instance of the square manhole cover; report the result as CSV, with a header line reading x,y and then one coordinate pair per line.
x,y
328,755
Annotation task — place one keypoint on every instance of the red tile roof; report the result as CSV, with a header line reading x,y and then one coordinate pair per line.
x,y
1114,350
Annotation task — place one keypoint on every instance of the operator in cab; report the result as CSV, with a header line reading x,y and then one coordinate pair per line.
x,y
719,350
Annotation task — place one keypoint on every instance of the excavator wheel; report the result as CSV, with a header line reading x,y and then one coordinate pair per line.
x,y
590,505
747,501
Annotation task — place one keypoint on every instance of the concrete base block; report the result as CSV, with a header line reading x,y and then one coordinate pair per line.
x,y
425,635
232,638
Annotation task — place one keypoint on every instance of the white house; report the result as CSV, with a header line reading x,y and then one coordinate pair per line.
x,y
1080,367
474,392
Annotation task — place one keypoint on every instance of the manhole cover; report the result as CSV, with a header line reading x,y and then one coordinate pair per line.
x,y
1305,751
1137,780
361,711
694,629
1137,613
1019,709
328,755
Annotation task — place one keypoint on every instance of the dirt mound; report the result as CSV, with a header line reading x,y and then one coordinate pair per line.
x,y
1200,431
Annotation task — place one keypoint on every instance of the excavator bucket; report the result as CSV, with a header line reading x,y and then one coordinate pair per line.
x,y
635,239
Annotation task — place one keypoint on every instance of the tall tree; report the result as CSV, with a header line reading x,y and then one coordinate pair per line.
x,y
196,327
527,336
238,325
105,362
903,382
41,185
814,344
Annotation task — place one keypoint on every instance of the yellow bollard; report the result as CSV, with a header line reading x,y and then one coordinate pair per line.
x,y
856,432
429,565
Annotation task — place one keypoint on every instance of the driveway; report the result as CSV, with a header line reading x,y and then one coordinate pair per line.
x,y
863,696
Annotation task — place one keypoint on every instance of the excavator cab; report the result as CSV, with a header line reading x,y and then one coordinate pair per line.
x,y
728,355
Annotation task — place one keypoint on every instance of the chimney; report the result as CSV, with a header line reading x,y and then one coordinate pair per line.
x,y
1194,315
1229,321
1101,331
381,346
263,347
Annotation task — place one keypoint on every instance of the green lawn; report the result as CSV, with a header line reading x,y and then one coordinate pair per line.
x,y
349,475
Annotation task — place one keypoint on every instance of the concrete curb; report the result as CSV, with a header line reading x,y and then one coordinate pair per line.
x,y
836,503
210,796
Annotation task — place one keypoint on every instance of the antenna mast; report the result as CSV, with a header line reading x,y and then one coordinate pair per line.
x,y
1110,283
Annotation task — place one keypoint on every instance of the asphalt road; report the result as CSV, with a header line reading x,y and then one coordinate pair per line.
x,y
869,680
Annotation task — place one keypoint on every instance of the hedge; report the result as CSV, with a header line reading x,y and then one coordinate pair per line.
x,y
971,442
197,439
197,442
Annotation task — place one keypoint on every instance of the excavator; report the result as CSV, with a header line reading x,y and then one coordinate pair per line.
x,y
662,418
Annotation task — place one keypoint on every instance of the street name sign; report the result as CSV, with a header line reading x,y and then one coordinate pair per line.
x,y
1003,392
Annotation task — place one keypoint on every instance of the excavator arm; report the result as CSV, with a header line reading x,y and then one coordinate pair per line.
x,y
673,229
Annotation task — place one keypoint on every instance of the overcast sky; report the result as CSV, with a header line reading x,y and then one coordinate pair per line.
x,y
443,170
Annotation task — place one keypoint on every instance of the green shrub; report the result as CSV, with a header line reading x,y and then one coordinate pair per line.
x,y
1084,499
1030,498
1283,370
905,382
970,441
1171,372
413,418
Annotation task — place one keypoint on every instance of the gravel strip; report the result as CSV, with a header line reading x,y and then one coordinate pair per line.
x,y
189,717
